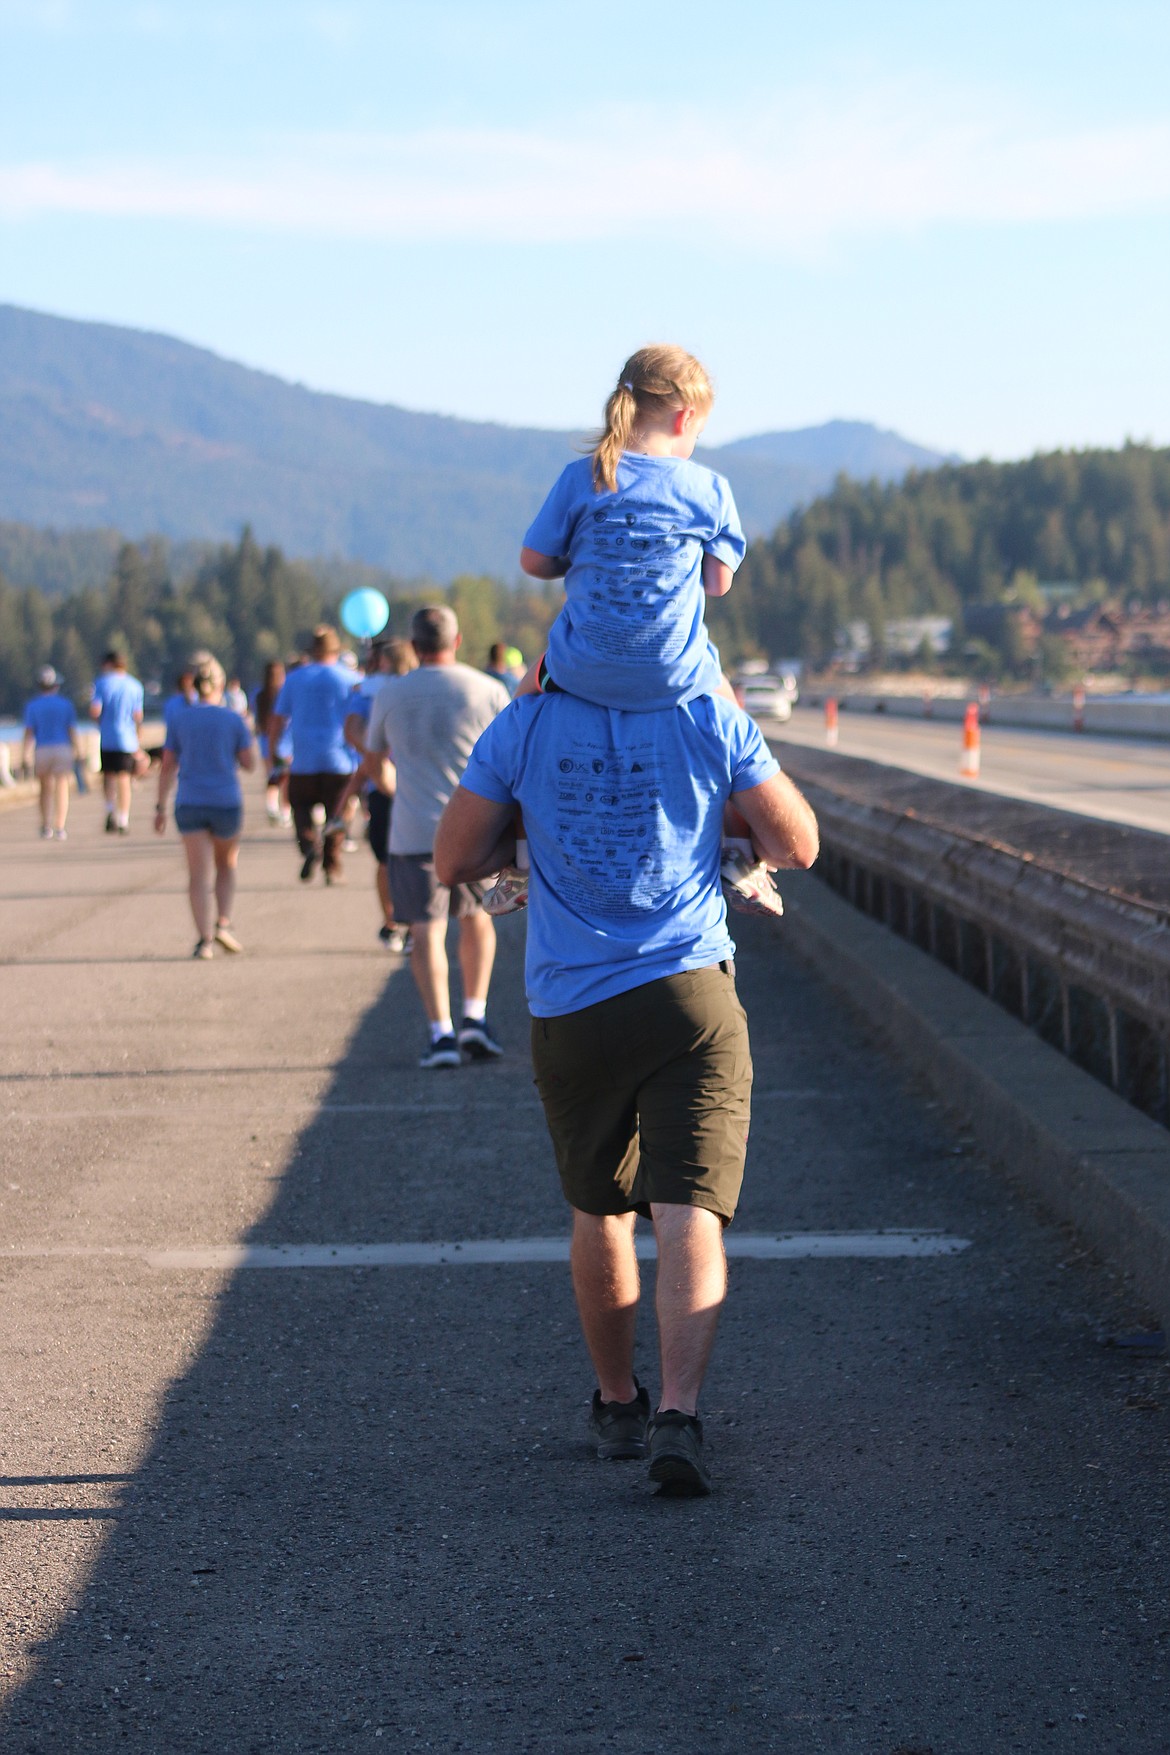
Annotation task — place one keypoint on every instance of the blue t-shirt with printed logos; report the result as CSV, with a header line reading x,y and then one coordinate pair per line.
x,y
50,718
315,698
206,740
120,697
623,814
632,632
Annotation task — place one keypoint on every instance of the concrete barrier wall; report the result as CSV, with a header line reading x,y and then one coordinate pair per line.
x,y
1106,717
1084,966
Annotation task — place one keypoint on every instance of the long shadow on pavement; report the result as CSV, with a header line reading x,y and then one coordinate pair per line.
x,y
369,1511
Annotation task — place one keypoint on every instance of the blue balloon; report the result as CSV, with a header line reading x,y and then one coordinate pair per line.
x,y
364,613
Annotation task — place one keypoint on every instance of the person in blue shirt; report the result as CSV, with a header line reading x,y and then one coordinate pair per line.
x,y
117,705
639,1043
313,704
387,658
50,723
642,535
207,743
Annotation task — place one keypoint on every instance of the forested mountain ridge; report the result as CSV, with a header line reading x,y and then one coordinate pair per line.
x,y
140,433
959,541
953,539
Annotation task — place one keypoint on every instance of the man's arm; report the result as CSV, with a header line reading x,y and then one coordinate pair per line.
x,y
354,732
782,823
475,837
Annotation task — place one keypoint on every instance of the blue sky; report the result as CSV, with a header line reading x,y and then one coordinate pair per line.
x,y
951,221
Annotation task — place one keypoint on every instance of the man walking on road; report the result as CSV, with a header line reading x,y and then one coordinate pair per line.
x,y
428,722
639,1042
313,701
117,705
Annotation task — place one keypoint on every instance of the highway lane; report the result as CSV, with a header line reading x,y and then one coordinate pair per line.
x,y
1122,780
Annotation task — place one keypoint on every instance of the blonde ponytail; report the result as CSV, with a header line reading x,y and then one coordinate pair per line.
x,y
654,379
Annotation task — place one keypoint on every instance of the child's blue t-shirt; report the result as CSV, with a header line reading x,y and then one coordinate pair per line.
x,y
206,739
50,718
623,814
632,634
120,697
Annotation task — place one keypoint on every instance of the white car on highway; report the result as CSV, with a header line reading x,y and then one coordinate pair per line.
x,y
765,697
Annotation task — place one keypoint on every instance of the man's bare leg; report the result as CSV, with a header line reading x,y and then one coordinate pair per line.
x,y
477,954
605,1281
428,965
692,1284
382,881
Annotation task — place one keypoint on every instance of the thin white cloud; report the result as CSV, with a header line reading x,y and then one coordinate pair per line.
x,y
817,173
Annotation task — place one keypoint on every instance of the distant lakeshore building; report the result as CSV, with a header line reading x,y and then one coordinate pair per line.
x,y
902,637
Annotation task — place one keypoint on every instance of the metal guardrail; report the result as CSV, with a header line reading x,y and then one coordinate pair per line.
x,y
1087,969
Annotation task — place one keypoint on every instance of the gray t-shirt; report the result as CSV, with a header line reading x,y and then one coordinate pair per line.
x,y
428,721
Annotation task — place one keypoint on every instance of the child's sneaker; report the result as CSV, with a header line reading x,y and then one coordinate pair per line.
x,y
748,887
509,893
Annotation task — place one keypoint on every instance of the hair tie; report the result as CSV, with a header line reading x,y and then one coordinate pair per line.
x,y
626,385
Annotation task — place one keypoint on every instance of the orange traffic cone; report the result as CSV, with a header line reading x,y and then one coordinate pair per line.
x,y
831,723
969,759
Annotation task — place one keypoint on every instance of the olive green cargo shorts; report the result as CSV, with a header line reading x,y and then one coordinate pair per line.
x,y
648,1095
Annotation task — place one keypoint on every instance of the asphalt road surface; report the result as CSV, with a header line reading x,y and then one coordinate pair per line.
x,y
1124,780
306,1508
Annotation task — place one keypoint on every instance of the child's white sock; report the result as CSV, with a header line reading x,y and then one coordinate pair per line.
x,y
440,1028
475,1010
739,845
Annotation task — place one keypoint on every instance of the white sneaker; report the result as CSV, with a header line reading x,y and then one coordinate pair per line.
x,y
749,888
509,893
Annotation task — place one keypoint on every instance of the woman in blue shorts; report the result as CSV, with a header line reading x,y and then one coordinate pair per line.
x,y
206,746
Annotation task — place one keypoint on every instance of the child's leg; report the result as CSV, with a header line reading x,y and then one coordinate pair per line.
x,y
530,682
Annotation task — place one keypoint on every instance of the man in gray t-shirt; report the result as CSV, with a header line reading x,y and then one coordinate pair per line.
x,y
427,722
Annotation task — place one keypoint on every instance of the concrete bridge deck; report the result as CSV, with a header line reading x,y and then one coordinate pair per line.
x,y
304,1507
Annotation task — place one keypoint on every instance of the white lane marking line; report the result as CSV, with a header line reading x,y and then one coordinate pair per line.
x,y
473,1252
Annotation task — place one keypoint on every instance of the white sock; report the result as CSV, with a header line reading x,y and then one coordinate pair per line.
x,y
475,1010
521,855
440,1028
739,845
121,819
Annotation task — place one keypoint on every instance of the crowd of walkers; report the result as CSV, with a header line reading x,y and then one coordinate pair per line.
x,y
309,722
615,791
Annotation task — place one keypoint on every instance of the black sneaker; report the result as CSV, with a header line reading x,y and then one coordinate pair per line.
x,y
676,1454
620,1427
477,1041
308,868
444,1052
111,825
